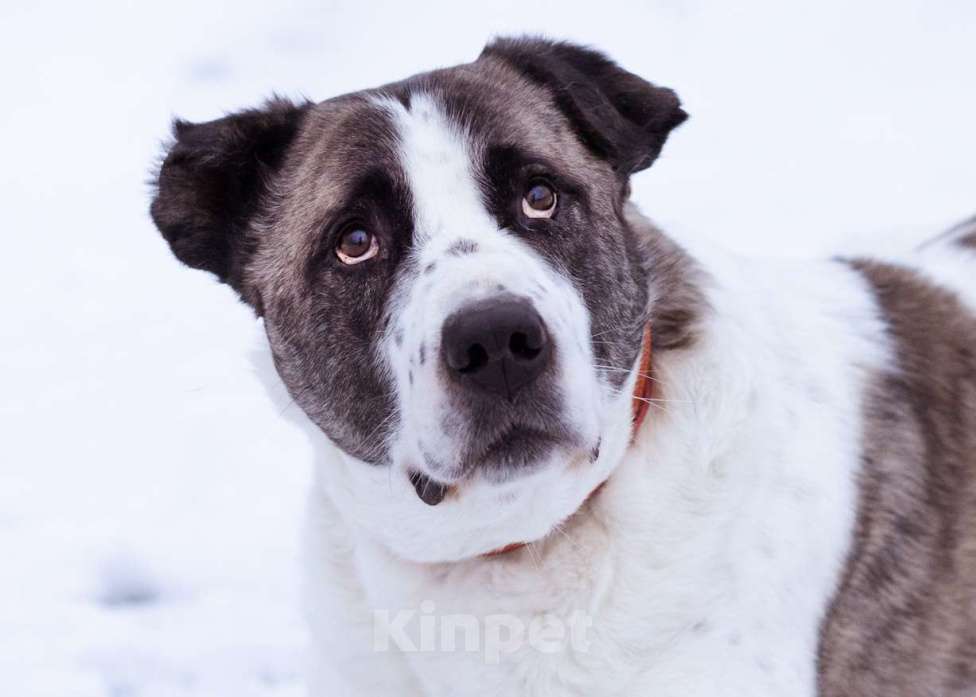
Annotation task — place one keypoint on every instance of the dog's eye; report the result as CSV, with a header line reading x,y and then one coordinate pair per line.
x,y
356,245
539,201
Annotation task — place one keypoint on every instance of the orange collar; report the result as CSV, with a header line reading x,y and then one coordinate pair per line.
x,y
643,388
639,404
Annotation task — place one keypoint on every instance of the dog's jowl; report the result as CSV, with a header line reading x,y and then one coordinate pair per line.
x,y
559,453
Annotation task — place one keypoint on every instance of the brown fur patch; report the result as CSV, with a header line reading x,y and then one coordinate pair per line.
x,y
678,304
903,621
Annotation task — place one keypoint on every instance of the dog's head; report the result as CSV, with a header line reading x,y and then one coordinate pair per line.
x,y
449,283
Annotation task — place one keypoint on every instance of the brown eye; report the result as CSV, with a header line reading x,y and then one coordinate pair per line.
x,y
356,245
539,201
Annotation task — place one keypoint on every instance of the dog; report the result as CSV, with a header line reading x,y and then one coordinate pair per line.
x,y
559,453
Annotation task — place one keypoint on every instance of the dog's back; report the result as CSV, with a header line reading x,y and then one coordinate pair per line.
x,y
904,618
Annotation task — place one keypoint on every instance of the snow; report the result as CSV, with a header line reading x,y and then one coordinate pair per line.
x,y
150,495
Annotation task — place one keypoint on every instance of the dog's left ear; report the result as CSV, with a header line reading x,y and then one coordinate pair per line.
x,y
619,116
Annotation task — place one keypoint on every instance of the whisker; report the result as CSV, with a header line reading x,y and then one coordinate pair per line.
x,y
288,405
572,543
658,406
537,561
648,376
382,424
656,400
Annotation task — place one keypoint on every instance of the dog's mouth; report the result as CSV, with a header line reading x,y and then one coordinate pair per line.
x,y
517,450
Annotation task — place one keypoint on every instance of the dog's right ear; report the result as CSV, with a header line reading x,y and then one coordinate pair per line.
x,y
212,181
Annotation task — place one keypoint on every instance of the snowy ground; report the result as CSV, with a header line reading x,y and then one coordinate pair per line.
x,y
149,493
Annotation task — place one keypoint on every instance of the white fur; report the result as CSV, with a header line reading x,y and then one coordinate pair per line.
x,y
707,562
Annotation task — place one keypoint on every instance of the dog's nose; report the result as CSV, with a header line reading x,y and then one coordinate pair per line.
x,y
499,345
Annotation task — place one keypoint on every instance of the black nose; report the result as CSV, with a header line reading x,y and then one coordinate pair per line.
x,y
499,345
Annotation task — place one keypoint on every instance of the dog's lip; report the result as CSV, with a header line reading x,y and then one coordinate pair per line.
x,y
515,436
429,490
499,449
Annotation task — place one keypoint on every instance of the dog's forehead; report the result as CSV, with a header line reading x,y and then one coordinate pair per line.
x,y
489,102
341,140
482,103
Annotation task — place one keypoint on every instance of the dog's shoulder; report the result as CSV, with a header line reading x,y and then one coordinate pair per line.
x,y
904,618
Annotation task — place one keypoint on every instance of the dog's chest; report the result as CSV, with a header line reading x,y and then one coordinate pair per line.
x,y
599,616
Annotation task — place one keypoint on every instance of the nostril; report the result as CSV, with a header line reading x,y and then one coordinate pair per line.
x,y
477,359
522,348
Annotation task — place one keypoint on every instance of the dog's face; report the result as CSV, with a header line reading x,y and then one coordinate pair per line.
x,y
448,282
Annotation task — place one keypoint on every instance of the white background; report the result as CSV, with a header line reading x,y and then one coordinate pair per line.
x,y
150,495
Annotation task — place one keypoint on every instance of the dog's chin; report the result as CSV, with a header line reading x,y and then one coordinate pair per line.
x,y
478,516
516,452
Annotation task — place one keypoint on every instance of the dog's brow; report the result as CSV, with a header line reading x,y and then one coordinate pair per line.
x,y
503,159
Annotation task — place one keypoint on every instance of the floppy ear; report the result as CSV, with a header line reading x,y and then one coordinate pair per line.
x,y
212,181
619,116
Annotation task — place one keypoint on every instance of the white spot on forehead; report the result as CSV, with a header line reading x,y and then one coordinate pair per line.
x,y
437,160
